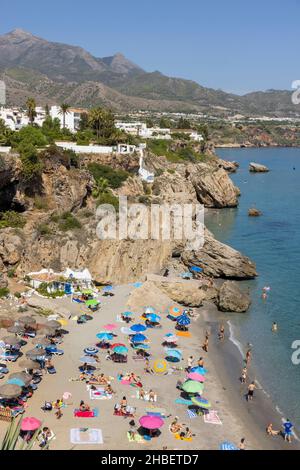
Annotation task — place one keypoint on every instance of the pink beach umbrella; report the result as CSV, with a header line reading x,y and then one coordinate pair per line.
x,y
30,424
110,326
151,422
197,377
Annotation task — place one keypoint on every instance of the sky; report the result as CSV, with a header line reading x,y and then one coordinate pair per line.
x,y
233,45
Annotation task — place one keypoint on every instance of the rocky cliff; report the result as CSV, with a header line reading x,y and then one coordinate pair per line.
x,y
46,242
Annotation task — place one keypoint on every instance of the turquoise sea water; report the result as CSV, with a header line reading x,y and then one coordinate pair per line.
x,y
273,242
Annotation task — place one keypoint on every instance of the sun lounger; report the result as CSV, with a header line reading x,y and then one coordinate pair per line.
x,y
9,357
86,414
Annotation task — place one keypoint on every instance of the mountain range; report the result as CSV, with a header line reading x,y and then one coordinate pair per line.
x,y
53,72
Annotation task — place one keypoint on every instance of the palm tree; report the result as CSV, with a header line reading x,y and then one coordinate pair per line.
x,y
102,186
64,109
31,112
95,120
102,121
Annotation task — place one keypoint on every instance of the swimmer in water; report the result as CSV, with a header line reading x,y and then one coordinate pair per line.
x,y
264,296
274,327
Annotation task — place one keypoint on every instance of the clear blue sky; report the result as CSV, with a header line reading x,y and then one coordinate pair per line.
x,y
236,45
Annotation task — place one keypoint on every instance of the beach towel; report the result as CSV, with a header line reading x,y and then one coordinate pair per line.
x,y
99,395
191,414
136,438
184,334
86,414
86,436
212,417
188,439
183,401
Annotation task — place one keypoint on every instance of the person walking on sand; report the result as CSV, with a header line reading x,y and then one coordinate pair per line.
x,y
248,357
244,375
242,444
189,363
288,430
221,332
251,388
205,344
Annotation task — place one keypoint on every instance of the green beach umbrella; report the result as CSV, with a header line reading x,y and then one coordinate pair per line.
x,y
202,402
191,386
91,302
87,292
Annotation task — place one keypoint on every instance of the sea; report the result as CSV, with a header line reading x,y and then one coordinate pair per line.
x,y
272,241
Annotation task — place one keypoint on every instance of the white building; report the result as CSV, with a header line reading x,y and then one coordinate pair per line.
x,y
13,118
72,117
140,129
124,149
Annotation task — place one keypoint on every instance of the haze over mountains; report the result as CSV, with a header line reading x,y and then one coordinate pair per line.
x,y
53,72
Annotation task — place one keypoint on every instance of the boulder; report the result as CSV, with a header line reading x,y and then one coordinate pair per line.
x,y
213,186
232,299
190,293
253,212
219,260
3,280
258,168
230,167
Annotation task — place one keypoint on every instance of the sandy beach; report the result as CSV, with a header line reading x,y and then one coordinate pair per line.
x,y
222,387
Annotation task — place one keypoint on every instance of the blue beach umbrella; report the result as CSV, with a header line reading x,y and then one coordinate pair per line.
x,y
173,354
196,269
107,288
138,328
104,336
16,381
88,360
127,314
199,370
183,320
153,318
139,338
141,346
226,445
121,350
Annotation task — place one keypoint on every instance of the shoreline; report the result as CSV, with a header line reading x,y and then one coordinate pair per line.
x,y
241,146
227,359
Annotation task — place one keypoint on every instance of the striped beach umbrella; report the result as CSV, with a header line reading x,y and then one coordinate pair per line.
x,y
201,402
90,350
183,320
175,311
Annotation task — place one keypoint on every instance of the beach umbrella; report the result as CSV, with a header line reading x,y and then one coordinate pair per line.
x,y
16,381
151,422
27,320
226,445
141,346
10,391
149,310
170,338
120,350
54,324
191,386
41,341
183,320
91,350
47,330
103,336
199,370
138,328
19,329
26,378
110,326
127,314
138,338
107,288
201,402
87,292
29,364
91,303
174,311
117,344
153,318
196,376
30,424
196,269
88,360
35,353
174,353
11,340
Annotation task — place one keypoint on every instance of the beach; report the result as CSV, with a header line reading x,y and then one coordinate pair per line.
x,y
223,362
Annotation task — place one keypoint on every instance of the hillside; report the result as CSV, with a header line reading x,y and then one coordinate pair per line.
x,y
51,72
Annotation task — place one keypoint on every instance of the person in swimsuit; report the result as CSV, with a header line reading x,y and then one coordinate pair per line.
x,y
270,431
251,389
